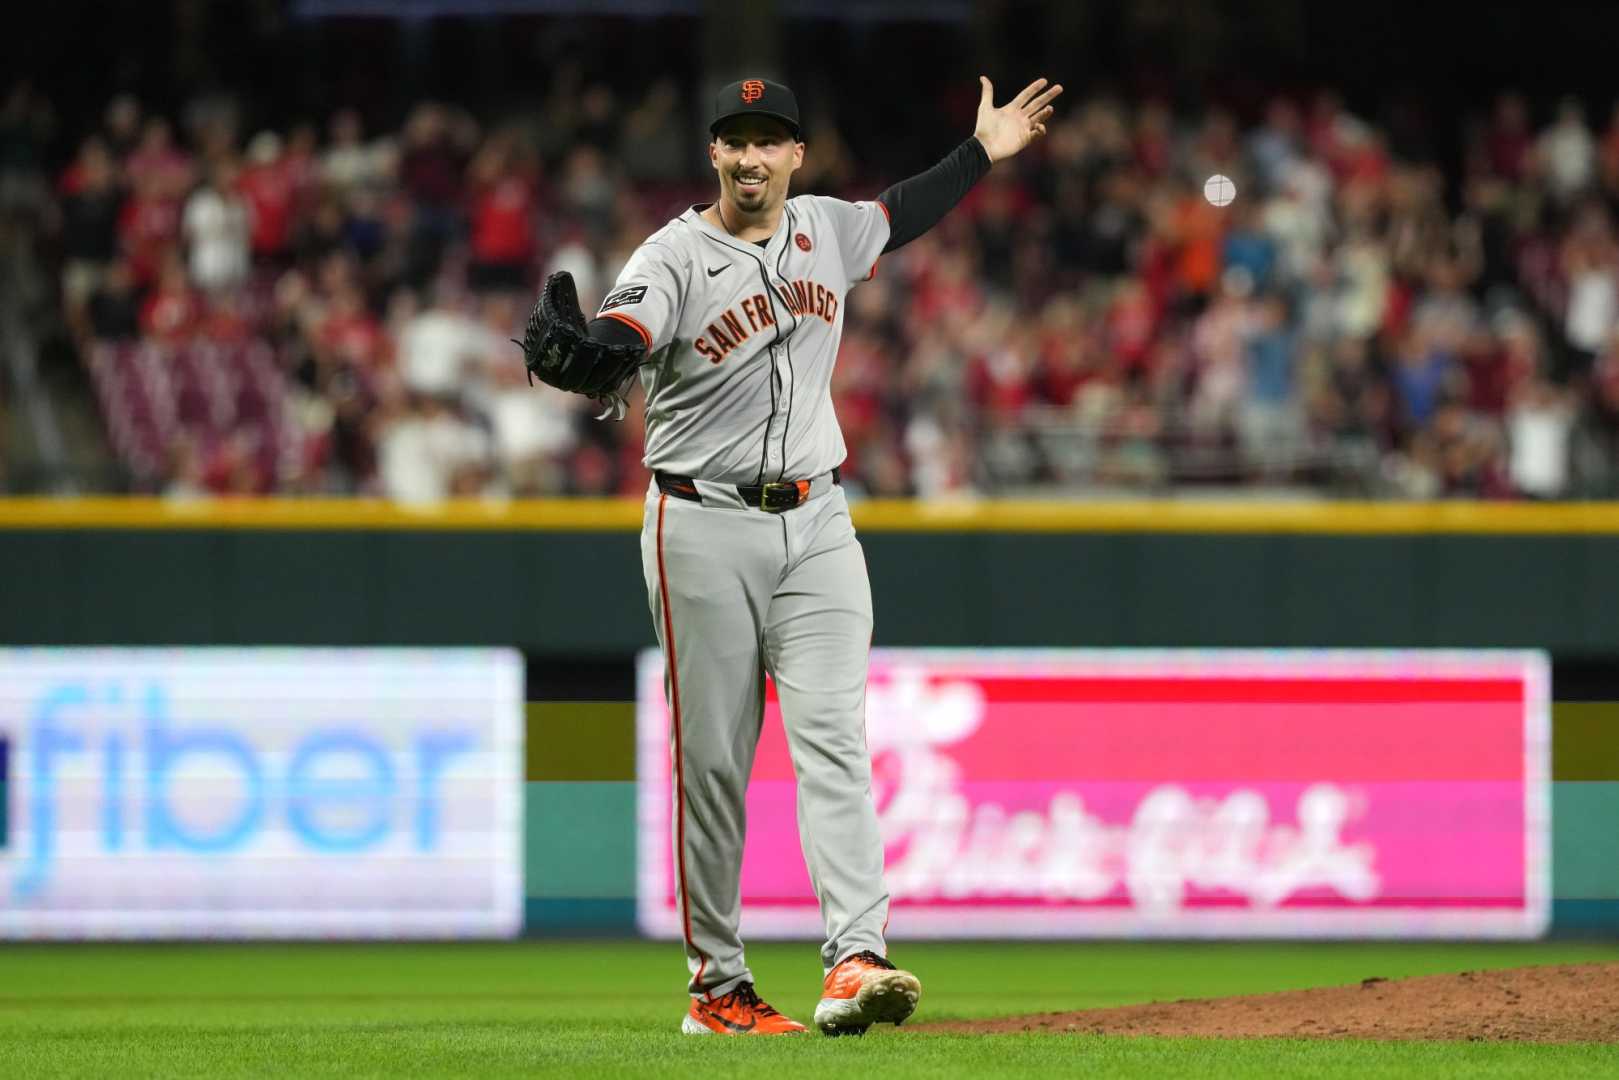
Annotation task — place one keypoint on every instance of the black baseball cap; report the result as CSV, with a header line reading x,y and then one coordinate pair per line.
x,y
755,97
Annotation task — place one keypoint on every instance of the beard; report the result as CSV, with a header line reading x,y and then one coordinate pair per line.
x,y
753,199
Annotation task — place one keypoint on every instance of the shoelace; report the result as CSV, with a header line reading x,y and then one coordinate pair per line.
x,y
873,959
745,994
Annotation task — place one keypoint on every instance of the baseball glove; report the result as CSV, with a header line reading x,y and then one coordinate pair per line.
x,y
558,351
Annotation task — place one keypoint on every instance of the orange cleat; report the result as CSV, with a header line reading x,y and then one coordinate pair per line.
x,y
865,989
738,1013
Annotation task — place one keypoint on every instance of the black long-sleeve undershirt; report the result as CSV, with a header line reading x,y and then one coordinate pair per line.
x,y
612,332
917,204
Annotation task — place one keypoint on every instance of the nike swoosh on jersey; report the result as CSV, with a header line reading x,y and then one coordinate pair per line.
x,y
718,269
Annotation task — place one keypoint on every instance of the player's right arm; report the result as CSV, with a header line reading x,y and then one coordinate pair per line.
x,y
599,358
614,332
644,303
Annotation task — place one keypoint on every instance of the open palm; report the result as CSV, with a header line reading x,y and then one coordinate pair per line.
x,y
1008,129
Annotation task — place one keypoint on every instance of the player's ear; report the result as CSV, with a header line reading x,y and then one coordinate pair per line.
x,y
798,154
714,153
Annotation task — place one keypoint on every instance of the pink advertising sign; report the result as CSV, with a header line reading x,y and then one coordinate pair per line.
x,y
1081,793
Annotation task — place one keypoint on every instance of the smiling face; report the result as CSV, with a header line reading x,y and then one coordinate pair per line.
x,y
755,157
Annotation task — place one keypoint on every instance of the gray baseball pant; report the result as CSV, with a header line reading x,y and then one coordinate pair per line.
x,y
737,592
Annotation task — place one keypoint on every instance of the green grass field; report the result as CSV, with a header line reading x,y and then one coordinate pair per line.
x,y
613,1009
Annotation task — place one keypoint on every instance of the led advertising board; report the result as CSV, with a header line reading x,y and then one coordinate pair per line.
x,y
197,792
1177,793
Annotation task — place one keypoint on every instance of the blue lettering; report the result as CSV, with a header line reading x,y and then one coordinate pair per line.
x,y
45,741
433,751
343,788
306,792
112,795
163,750
112,781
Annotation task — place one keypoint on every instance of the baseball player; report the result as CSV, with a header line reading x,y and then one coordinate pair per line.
x,y
731,314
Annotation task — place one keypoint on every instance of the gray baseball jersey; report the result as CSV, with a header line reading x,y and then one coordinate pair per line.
x,y
743,338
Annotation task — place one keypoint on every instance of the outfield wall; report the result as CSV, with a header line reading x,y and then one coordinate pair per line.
x,y
565,577
562,581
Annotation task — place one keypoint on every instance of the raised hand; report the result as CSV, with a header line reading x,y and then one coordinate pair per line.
x,y
1008,129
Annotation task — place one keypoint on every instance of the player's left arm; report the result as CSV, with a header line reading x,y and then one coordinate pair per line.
x,y
915,205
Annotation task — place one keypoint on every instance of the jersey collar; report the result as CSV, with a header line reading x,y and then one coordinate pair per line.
x,y
777,238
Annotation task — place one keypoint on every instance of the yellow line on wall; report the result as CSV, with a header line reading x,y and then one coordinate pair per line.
x,y
1178,516
320,514
877,515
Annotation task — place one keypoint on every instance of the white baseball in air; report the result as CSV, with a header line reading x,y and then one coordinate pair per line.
x,y
1219,190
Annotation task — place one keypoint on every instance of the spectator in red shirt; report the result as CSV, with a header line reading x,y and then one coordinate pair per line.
x,y
235,466
1067,362
149,223
947,289
1001,376
858,383
173,309
157,158
502,179
1131,323
349,332
225,321
266,184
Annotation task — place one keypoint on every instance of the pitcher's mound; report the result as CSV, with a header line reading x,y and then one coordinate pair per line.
x,y
1565,1003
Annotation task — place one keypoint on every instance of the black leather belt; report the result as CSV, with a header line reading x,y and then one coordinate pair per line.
x,y
774,497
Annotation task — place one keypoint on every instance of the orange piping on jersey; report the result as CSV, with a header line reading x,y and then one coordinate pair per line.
x,y
890,219
680,772
632,324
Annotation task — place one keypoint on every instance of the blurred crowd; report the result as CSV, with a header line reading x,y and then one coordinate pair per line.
x,y
1353,322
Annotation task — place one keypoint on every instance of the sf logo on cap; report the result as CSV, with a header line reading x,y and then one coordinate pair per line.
x,y
752,91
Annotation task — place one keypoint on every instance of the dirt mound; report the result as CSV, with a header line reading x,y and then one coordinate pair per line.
x,y
1565,1003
